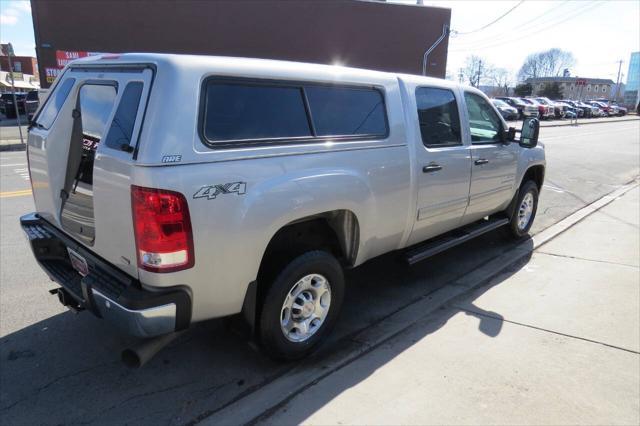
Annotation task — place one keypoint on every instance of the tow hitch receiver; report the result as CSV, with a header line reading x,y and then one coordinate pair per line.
x,y
67,300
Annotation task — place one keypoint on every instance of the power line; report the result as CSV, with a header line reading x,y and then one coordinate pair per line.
x,y
492,22
512,40
530,24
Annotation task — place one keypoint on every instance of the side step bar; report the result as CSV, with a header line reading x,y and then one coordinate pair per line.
x,y
460,236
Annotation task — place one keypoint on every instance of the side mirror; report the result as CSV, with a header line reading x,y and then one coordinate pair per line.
x,y
529,133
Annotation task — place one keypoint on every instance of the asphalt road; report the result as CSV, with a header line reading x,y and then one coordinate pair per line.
x,y
57,367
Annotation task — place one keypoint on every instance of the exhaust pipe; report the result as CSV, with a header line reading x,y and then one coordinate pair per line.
x,y
140,354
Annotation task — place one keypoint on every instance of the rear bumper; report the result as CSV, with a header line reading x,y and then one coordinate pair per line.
x,y
106,291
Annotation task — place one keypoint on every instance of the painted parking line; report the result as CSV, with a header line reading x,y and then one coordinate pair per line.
x,y
13,164
21,193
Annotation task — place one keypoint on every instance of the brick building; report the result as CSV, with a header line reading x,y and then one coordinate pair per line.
x,y
21,64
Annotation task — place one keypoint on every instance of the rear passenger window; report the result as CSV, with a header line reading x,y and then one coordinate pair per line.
x,y
438,117
54,104
252,111
343,111
121,128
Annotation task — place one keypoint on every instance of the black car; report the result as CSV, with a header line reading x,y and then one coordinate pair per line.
x,y
32,101
7,107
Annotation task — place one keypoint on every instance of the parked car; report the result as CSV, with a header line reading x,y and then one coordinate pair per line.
x,y
507,112
524,109
620,110
569,108
31,103
7,106
278,178
607,110
557,111
544,111
584,110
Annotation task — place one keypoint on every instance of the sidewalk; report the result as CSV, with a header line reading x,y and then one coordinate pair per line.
x,y
553,340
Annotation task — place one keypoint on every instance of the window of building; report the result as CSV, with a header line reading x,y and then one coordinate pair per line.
x,y
438,117
17,66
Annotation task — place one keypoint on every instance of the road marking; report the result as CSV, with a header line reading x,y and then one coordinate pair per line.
x,y
13,164
24,173
553,188
20,193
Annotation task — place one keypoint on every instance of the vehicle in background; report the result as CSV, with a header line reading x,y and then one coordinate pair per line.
x,y
621,111
570,110
544,111
506,111
608,110
524,109
584,110
31,103
558,112
8,108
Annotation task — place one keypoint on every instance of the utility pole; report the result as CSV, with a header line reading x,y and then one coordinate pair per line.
x,y
618,80
479,71
8,49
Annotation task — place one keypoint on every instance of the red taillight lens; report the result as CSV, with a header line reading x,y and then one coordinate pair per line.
x,y
162,226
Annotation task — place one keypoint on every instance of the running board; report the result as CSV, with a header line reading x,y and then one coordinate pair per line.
x,y
460,236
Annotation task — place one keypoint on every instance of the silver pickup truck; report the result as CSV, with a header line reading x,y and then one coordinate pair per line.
x,y
174,189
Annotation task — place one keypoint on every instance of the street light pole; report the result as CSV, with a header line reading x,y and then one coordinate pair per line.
x,y
9,51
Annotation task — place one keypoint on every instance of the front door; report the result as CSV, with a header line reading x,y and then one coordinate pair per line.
x,y
443,164
493,175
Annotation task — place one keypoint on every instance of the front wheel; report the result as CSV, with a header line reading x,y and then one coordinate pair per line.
x,y
301,306
525,211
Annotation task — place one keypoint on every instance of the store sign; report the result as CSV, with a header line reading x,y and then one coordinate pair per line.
x,y
63,57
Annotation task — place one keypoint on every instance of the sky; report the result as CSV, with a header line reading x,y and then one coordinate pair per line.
x,y
599,33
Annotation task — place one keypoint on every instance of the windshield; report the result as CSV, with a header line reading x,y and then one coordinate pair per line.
x,y
499,103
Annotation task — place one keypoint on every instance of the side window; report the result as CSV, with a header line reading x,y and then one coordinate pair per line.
x,y
344,111
484,124
54,103
121,128
438,117
246,111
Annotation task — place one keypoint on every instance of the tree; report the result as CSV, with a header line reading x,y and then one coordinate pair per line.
x,y
552,91
474,68
550,63
523,90
501,78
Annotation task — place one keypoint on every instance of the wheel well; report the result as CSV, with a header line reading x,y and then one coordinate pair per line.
x,y
536,174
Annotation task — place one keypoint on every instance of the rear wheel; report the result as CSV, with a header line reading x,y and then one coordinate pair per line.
x,y
301,306
525,211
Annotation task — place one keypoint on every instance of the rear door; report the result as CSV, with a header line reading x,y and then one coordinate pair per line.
x,y
443,164
80,156
493,174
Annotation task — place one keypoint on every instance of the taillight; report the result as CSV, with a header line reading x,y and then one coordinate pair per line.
x,y
162,227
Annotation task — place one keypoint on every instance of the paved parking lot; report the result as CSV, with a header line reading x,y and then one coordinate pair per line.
x,y
56,367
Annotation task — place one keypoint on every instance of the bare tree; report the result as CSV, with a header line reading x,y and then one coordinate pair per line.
x,y
475,69
550,63
501,78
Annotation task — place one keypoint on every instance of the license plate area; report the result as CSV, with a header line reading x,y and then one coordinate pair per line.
x,y
78,262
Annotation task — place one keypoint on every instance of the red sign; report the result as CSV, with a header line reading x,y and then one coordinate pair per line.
x,y
581,82
63,57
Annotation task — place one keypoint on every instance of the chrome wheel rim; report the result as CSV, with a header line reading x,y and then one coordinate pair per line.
x,y
525,211
305,308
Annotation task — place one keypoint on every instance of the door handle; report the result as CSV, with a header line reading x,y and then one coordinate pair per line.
x,y
431,168
481,161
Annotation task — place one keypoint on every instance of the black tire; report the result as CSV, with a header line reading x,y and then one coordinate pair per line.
x,y
272,337
517,231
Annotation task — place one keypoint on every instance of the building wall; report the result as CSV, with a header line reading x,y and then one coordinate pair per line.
x,y
632,92
594,88
23,64
365,34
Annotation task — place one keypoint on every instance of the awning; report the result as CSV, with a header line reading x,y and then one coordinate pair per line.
x,y
19,85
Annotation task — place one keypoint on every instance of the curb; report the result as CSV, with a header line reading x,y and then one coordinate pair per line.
x,y
591,122
262,402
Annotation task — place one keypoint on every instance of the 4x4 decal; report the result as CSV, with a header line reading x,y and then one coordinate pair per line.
x,y
210,192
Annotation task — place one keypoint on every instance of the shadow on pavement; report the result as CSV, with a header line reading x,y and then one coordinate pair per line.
x,y
66,368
